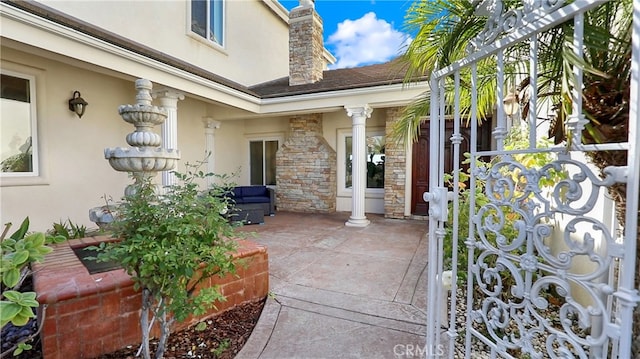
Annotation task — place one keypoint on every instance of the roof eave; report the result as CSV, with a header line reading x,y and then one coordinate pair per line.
x,y
207,88
394,95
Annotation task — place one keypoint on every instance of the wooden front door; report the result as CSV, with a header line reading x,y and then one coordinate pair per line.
x,y
420,172
420,160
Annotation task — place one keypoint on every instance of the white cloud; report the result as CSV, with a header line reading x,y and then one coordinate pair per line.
x,y
366,40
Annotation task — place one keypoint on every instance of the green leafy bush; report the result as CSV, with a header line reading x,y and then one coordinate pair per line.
x,y
169,244
17,253
67,230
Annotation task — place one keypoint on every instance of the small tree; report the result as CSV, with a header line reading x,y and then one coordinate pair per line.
x,y
169,244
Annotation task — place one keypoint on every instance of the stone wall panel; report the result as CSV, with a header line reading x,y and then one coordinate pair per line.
x,y
306,168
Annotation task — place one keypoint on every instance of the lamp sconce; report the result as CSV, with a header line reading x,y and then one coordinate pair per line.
x,y
77,104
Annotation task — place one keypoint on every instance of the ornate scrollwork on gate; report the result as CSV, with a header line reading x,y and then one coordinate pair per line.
x,y
502,21
528,290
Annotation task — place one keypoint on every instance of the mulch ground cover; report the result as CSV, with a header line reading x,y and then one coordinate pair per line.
x,y
222,337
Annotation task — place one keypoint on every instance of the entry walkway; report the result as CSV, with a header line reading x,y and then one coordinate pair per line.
x,y
341,292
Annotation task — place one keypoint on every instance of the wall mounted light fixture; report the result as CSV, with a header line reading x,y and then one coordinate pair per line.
x,y
77,104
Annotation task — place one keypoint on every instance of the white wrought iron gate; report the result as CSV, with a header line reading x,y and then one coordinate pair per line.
x,y
542,272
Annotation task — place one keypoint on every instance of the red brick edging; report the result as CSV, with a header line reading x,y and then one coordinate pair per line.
x,y
89,315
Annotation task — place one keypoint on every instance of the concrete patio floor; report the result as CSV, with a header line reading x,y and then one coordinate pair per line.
x,y
341,292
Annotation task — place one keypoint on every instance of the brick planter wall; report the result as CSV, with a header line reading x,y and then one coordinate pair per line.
x,y
395,172
89,315
306,168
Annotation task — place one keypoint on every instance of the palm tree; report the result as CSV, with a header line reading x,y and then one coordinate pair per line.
x,y
445,27
443,30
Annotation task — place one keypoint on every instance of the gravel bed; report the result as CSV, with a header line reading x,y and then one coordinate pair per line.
x,y
481,351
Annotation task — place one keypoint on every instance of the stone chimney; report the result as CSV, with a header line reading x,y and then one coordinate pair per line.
x,y
305,44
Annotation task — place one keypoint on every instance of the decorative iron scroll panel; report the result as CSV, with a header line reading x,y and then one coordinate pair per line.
x,y
543,272
528,296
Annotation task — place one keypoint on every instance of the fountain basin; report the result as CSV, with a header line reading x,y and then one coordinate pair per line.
x,y
142,159
103,215
142,114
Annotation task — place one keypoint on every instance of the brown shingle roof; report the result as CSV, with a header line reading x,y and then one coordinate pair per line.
x,y
388,73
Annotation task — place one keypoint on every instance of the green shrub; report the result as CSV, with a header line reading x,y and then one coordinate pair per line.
x,y
170,243
67,230
17,253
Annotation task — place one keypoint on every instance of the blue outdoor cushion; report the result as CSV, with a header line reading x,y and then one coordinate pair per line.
x,y
255,199
252,191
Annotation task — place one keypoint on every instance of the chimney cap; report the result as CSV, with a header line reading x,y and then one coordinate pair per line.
x,y
307,3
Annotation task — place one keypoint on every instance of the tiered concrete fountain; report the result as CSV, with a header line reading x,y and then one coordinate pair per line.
x,y
92,313
146,158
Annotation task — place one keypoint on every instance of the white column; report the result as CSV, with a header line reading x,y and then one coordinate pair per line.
x,y
169,100
359,115
210,127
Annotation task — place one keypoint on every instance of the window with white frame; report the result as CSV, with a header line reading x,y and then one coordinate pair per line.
x,y
18,132
207,20
262,162
375,159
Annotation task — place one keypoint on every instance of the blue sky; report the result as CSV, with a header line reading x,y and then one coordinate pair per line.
x,y
362,32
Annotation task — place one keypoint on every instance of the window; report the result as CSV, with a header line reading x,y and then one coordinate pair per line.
x,y
18,137
375,161
263,162
207,19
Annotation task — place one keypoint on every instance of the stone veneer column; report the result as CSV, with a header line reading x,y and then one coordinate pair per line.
x,y
306,168
210,127
359,115
169,100
395,169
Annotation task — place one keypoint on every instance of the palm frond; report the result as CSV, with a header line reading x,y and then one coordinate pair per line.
x,y
445,27
408,126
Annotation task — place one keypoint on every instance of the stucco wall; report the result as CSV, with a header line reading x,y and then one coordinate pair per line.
x,y
252,31
232,143
72,158
76,175
72,150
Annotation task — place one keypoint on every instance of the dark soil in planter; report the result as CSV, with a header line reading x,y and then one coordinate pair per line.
x,y
12,335
87,257
222,338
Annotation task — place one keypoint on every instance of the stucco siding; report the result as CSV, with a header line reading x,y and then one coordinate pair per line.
x,y
252,31
76,174
72,157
